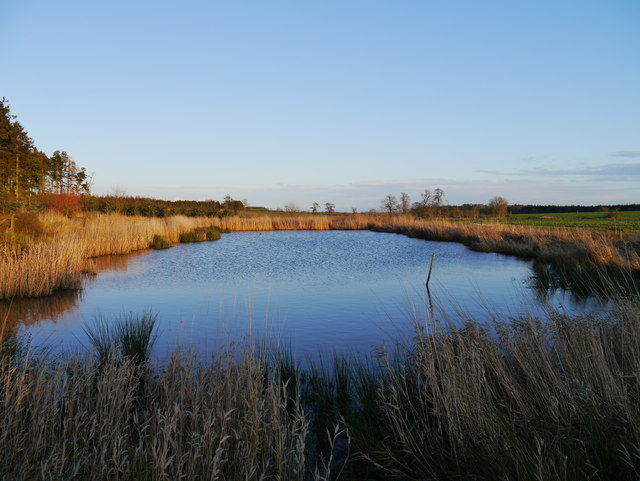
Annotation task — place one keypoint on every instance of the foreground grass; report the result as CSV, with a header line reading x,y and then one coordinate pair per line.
x,y
83,419
524,400
516,400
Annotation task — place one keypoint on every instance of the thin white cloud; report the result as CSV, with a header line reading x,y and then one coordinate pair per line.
x,y
627,153
616,172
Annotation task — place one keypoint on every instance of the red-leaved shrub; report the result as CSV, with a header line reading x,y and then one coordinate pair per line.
x,y
64,203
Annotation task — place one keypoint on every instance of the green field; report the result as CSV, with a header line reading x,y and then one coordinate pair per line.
x,y
627,222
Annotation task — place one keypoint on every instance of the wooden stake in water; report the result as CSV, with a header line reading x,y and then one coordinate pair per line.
x,y
433,258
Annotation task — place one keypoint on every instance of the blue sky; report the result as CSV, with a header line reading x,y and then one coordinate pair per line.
x,y
334,101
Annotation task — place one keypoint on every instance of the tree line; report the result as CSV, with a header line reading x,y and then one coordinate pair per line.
x,y
432,203
148,207
28,175
564,209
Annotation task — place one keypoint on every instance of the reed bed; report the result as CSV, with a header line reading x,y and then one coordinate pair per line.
x,y
82,419
521,400
43,267
515,400
268,223
58,260
116,234
546,244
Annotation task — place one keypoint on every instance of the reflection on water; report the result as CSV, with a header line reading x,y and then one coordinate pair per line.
x,y
584,281
64,302
30,311
121,263
347,290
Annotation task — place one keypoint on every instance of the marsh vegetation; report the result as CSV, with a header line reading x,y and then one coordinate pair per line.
x,y
519,399
522,398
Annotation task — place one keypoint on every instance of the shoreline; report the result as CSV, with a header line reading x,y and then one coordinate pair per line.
x,y
58,262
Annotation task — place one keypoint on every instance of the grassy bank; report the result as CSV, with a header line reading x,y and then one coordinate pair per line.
x,y
56,257
547,244
519,399
534,401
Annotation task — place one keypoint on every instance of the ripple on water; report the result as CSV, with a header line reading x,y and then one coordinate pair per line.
x,y
347,290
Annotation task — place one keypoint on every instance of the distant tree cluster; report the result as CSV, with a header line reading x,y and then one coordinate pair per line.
x,y
433,204
291,207
27,175
329,208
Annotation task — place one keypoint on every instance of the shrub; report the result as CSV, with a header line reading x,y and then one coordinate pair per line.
x,y
211,233
201,234
159,242
192,236
614,214
28,223
64,203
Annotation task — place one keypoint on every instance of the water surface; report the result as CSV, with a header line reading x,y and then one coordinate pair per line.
x,y
312,290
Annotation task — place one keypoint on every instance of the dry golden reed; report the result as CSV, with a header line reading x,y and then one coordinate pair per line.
x,y
80,419
523,399
267,223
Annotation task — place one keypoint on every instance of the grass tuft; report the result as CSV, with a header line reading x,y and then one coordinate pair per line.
x,y
128,336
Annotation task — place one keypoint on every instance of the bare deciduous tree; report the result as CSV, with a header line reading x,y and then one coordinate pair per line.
x,y
426,198
405,202
437,197
390,203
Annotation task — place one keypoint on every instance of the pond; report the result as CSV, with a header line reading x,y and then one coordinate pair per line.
x,y
314,291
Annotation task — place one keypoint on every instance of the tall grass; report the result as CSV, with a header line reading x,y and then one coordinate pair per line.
x,y
525,400
58,261
79,419
267,223
43,267
518,399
